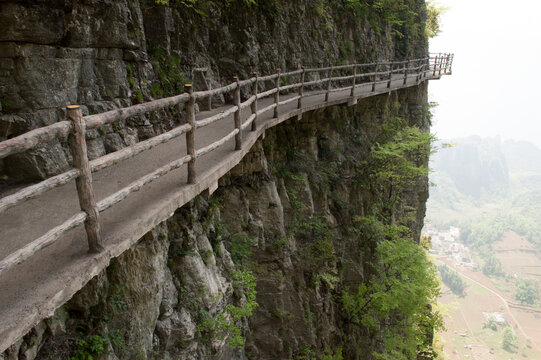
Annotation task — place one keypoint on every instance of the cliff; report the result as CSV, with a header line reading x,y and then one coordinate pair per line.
x,y
296,255
109,54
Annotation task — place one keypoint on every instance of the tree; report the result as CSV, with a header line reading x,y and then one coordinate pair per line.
x,y
452,280
433,13
400,290
527,291
492,266
510,339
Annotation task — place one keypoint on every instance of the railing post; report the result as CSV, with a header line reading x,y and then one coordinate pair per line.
x,y
435,65
406,69
190,135
83,182
352,94
441,63
329,83
426,67
301,88
390,75
277,93
236,117
254,104
375,76
202,72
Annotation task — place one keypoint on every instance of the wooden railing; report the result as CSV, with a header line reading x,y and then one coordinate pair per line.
x,y
76,126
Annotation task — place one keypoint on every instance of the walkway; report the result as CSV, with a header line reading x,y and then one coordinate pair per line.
x,y
34,289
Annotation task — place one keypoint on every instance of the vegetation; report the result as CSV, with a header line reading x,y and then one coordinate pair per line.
x,y
510,339
495,190
452,280
90,348
400,19
400,289
492,266
399,162
433,13
527,291
226,324
168,68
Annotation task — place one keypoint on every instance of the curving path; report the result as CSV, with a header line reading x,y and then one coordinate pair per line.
x,y
34,289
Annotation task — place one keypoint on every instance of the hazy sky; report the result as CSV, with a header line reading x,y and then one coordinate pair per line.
x,y
496,81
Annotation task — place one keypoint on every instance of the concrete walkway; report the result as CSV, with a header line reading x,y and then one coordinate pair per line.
x,y
33,290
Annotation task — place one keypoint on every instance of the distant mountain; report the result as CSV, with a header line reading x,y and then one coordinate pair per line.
x,y
522,156
487,187
474,165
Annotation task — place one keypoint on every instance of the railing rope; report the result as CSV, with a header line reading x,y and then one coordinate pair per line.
x,y
190,135
236,117
329,83
85,191
277,93
253,107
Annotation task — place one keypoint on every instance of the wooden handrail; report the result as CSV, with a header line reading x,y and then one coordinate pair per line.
x,y
434,65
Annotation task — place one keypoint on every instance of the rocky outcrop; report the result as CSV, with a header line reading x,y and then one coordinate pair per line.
x,y
283,215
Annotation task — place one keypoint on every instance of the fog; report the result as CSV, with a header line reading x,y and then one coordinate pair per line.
x,y
494,87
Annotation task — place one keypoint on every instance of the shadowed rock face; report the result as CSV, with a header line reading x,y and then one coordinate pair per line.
x,y
108,54
165,297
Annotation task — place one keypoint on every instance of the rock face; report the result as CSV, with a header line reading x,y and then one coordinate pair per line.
x,y
108,54
282,215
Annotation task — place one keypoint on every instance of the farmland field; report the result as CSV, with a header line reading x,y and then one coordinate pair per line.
x,y
465,336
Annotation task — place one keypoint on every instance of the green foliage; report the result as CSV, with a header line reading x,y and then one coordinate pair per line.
x,y
318,253
118,298
400,288
510,339
491,324
488,228
527,291
402,17
396,163
433,14
168,68
89,348
492,266
452,280
308,353
226,323
240,247
202,7
401,160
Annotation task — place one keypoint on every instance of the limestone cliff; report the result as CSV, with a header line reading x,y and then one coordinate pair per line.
x,y
283,226
108,54
285,213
